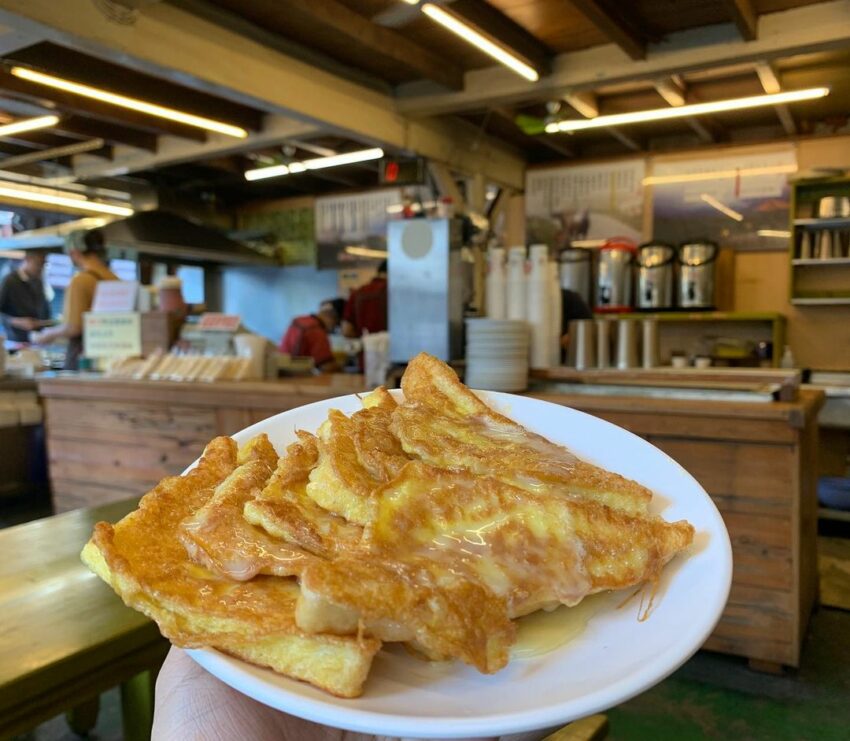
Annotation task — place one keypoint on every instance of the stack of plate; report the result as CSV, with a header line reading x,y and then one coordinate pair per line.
x,y
497,354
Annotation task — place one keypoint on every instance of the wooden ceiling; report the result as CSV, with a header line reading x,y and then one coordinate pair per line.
x,y
392,48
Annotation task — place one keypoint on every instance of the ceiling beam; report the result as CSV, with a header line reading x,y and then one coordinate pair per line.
x,y
610,19
71,103
744,16
84,128
586,104
674,92
770,82
808,29
495,25
169,42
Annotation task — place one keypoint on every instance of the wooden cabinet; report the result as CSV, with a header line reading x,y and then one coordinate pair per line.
x,y
758,463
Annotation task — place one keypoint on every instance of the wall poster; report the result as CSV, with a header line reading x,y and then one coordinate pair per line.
x,y
585,203
739,201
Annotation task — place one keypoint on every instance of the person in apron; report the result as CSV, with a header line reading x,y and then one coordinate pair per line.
x,y
89,257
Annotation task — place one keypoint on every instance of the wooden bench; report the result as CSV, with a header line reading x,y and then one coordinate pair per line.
x,y
65,637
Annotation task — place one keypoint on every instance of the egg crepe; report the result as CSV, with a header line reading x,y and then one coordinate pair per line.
x,y
145,562
443,423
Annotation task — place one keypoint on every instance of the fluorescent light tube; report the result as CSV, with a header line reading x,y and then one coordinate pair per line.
x,y
319,163
124,101
695,109
74,201
470,35
778,233
28,124
722,207
689,177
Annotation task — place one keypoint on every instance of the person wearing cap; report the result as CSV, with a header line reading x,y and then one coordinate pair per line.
x,y
90,260
24,307
308,336
366,309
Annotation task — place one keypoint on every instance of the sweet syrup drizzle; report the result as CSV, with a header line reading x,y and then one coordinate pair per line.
x,y
543,631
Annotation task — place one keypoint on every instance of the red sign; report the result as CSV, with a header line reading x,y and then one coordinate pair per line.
x,y
219,322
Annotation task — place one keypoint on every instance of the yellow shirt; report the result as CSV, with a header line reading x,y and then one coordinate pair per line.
x,y
79,296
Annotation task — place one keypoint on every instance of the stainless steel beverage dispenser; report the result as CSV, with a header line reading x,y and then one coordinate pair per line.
x,y
655,276
696,275
426,288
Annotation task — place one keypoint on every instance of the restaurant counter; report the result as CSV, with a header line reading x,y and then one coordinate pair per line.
x,y
111,439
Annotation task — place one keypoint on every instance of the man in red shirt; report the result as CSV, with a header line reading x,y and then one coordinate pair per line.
x,y
367,306
308,335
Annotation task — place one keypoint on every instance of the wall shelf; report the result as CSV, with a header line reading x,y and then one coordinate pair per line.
x,y
815,262
821,300
831,223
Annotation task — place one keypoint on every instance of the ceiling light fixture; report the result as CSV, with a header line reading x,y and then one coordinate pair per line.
x,y
319,163
73,201
688,177
454,24
133,104
28,124
366,252
695,109
722,207
778,233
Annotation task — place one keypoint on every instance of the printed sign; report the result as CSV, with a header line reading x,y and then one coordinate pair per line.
x,y
219,322
111,335
111,296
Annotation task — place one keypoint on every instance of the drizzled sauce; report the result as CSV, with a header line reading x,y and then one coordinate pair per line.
x,y
542,631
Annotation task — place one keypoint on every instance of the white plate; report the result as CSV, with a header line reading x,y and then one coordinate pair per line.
x,y
615,658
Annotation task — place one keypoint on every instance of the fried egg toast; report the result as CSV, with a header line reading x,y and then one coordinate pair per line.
x,y
443,423
144,561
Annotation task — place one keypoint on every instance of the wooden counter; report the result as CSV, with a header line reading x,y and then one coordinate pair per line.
x,y
758,463
111,439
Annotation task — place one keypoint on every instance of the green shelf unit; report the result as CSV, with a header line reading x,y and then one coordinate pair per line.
x,y
815,281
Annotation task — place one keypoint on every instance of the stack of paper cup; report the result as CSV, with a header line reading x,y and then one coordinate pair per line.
x,y
555,313
537,307
376,358
496,354
515,283
495,289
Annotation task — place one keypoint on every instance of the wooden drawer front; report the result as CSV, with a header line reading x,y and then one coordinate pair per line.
x,y
747,478
757,623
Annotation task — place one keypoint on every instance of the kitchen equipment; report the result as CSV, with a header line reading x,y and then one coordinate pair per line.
x,y
696,274
603,343
581,347
626,344
649,346
426,286
655,262
575,271
614,281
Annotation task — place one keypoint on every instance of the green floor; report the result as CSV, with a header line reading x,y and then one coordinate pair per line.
x,y
718,697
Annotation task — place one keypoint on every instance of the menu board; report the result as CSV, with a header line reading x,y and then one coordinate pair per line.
x,y
351,230
584,203
739,201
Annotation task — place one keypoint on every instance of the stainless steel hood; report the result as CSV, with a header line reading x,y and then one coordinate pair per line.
x,y
165,234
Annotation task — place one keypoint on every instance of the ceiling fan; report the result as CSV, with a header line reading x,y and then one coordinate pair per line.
x,y
534,125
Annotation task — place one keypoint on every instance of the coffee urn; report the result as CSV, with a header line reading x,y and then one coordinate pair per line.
x,y
575,271
696,274
614,280
655,276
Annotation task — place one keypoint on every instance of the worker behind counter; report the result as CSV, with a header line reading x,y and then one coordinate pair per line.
x,y
308,336
90,261
366,308
24,307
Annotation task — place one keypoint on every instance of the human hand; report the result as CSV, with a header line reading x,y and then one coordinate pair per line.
x,y
192,705
24,322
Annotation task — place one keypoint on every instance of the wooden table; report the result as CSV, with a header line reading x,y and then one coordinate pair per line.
x,y
65,637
